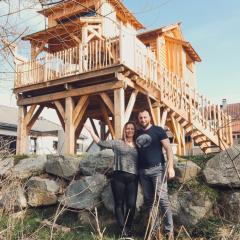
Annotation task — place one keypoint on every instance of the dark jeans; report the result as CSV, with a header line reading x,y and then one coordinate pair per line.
x,y
153,179
124,187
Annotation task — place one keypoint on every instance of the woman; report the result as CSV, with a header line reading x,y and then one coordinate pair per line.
x,y
124,182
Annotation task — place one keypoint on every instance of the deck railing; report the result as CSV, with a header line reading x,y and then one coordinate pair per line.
x,y
92,56
178,94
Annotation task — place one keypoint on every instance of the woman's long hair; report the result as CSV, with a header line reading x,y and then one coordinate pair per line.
x,y
124,133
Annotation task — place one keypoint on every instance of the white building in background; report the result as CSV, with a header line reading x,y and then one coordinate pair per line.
x,y
46,137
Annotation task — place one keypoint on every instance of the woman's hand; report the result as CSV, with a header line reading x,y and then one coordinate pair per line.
x,y
96,139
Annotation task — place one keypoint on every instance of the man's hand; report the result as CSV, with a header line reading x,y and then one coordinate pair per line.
x,y
171,173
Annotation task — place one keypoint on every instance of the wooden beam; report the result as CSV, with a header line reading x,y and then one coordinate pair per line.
x,y
21,131
80,125
40,48
75,38
107,100
97,74
106,119
61,119
81,102
119,111
93,126
71,93
164,118
60,108
29,114
81,114
130,105
151,110
177,135
69,138
157,113
34,118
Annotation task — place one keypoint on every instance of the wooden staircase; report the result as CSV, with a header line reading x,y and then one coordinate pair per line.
x,y
205,122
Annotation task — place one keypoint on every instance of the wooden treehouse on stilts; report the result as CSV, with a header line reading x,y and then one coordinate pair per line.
x,y
91,63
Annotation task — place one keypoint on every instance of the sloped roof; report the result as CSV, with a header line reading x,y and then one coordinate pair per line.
x,y
117,4
236,126
178,39
157,31
234,110
9,117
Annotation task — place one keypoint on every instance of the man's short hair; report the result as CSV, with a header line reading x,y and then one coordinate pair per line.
x,y
144,110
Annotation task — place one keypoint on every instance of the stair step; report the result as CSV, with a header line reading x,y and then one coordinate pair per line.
x,y
199,136
211,146
204,141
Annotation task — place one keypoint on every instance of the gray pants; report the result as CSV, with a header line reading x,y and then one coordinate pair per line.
x,y
153,179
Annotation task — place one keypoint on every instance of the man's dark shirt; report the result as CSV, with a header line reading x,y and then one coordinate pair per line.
x,y
150,147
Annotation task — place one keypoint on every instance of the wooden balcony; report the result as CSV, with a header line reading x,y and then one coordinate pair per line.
x,y
204,121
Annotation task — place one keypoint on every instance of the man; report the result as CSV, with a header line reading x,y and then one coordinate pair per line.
x,y
153,170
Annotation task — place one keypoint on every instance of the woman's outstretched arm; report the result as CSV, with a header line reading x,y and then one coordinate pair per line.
x,y
95,138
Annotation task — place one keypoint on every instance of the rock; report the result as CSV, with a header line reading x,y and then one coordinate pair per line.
x,y
186,170
86,217
5,166
108,202
13,197
230,202
98,162
84,193
189,208
42,192
220,170
29,167
63,166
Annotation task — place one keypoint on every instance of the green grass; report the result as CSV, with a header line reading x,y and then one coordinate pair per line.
x,y
32,228
200,160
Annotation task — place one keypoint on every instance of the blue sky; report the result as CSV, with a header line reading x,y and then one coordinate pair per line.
x,y
212,27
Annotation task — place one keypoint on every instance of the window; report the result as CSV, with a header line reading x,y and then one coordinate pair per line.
x,y
89,13
55,145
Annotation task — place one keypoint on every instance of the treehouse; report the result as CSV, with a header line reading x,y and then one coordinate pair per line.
x,y
91,62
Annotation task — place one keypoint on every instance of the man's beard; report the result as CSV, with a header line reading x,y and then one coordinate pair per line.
x,y
146,126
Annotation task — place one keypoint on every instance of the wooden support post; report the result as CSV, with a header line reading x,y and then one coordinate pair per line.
x,y
219,131
177,135
230,130
21,131
119,111
156,113
69,127
164,118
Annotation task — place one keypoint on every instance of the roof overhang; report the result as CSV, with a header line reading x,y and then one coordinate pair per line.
x,y
55,32
158,31
188,48
117,4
